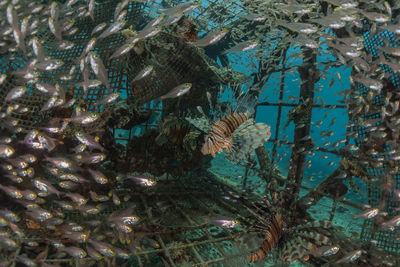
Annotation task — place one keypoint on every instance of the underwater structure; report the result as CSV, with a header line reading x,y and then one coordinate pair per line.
x,y
201,133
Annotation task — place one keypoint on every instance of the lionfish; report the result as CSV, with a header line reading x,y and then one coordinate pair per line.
x,y
290,243
235,132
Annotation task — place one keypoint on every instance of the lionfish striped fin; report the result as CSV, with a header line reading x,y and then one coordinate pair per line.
x,y
316,238
296,249
271,238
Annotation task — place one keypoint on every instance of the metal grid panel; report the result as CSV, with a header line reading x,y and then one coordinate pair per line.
x,y
186,237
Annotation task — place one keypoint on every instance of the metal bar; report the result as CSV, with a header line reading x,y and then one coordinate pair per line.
x,y
296,104
139,260
190,221
15,256
149,214
246,173
205,231
334,205
278,120
339,200
197,243
207,263
307,73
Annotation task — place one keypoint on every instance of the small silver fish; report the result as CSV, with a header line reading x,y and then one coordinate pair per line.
x,y
305,28
9,215
391,224
84,118
90,83
120,6
211,38
123,50
325,251
24,26
241,47
77,198
99,28
15,93
113,28
99,69
181,8
74,251
116,199
2,78
60,162
88,140
65,45
91,5
88,47
45,186
73,177
178,91
142,180
46,88
93,253
69,3
143,73
8,243
108,99
224,223
122,15
55,28
51,64
72,31
39,214
374,16
350,257
103,248
253,17
98,176
54,10
12,16
369,214
6,151
67,185
64,205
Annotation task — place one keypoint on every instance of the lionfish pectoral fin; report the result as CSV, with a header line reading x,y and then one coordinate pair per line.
x,y
228,144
